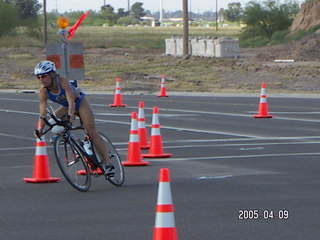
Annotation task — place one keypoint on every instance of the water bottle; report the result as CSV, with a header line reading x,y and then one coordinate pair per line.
x,y
87,147
56,129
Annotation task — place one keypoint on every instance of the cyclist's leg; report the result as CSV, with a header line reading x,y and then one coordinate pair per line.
x,y
61,111
87,117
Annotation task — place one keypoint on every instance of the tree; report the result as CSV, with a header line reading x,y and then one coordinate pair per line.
x,y
233,13
128,20
8,18
264,21
122,12
108,14
137,10
209,15
28,9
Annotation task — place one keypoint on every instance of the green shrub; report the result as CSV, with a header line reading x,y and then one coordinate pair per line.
x,y
128,20
314,28
307,1
8,18
280,37
254,42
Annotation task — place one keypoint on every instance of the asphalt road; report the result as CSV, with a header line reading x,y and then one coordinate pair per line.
x,y
226,167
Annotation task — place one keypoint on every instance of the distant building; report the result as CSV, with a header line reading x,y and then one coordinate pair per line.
x,y
154,21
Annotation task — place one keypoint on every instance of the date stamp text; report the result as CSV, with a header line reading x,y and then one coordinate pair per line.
x,y
255,214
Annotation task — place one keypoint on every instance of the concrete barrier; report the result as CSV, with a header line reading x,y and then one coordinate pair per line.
x,y
226,47
204,47
210,48
171,46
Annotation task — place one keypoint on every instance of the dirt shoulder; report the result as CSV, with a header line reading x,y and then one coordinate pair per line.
x,y
141,70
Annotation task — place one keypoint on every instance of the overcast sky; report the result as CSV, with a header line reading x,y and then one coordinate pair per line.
x,y
152,5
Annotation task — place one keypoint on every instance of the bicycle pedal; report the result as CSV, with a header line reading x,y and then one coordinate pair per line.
x,y
95,174
108,176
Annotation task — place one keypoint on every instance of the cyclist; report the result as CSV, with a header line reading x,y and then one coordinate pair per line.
x,y
72,101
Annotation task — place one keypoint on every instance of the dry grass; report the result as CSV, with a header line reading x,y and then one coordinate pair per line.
x,y
137,56
141,37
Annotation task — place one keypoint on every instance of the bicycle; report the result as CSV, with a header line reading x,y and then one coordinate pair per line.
x,y
79,159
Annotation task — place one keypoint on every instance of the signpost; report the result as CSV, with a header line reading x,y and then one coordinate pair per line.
x,y
68,57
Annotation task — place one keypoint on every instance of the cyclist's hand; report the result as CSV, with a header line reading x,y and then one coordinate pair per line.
x,y
71,117
37,133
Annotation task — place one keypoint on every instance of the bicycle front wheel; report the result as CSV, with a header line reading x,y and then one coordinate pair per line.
x,y
118,178
71,161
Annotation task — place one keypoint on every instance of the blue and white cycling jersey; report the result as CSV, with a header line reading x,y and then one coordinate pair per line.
x,y
61,97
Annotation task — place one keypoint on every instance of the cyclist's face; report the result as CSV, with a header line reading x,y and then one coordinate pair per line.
x,y
45,79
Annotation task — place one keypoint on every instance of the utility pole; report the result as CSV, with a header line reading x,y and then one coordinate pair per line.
x,y
216,15
45,30
185,28
161,11
129,7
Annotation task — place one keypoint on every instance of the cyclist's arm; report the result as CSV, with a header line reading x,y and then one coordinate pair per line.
x,y
70,97
43,97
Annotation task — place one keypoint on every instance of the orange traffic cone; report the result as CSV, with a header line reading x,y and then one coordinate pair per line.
x,y
41,170
263,105
163,89
164,228
134,151
97,171
143,135
156,149
117,96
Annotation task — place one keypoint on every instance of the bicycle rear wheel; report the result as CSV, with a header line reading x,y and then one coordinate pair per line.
x,y
118,177
71,160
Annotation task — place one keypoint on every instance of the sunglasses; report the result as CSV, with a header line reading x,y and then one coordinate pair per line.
x,y
42,76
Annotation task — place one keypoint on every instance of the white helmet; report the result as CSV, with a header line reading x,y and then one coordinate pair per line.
x,y
44,67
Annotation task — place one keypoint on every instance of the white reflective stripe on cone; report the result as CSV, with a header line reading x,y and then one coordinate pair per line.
x,y
155,118
164,194
263,100
41,151
164,220
141,124
134,138
155,132
140,113
134,125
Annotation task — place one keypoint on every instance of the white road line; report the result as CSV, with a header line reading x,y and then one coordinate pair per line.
x,y
290,113
18,100
17,149
239,114
178,110
242,139
251,149
217,177
17,167
173,128
194,146
235,157
241,144
297,119
15,136
200,112
19,112
187,129
129,115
